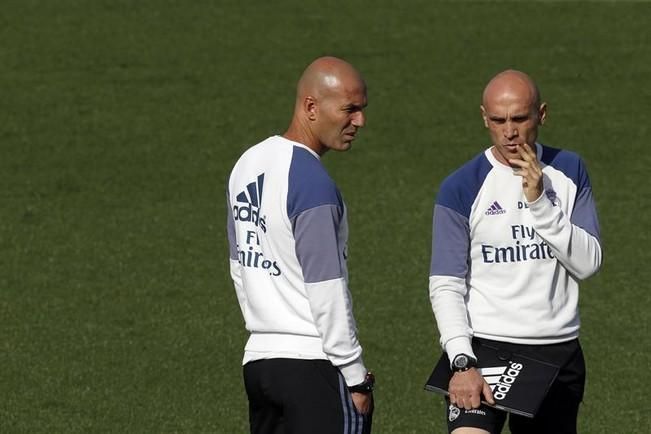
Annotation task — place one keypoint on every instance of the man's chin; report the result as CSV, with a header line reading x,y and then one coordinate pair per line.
x,y
344,146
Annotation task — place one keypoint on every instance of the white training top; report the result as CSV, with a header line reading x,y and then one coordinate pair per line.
x,y
288,258
506,269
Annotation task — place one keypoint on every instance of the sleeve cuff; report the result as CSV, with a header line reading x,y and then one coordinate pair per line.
x,y
541,208
537,201
457,346
354,372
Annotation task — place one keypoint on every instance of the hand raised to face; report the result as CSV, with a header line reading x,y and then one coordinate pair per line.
x,y
528,167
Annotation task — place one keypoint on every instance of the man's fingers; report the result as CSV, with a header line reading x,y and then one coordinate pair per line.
x,y
520,168
523,153
528,151
524,168
517,166
488,394
362,402
467,403
466,389
520,163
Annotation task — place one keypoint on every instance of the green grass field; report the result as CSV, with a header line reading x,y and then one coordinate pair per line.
x,y
121,120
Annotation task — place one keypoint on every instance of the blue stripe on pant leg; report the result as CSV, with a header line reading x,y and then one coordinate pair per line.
x,y
360,423
351,415
343,391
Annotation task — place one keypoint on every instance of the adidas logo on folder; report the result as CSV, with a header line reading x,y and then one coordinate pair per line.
x,y
495,209
501,378
249,202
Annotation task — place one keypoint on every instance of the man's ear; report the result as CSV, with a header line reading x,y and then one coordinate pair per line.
x,y
310,107
542,113
484,115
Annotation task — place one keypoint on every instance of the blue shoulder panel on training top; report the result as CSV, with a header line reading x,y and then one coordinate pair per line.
x,y
459,190
309,184
584,213
567,162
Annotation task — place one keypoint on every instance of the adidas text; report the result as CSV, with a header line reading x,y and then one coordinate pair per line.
x,y
250,201
501,389
247,213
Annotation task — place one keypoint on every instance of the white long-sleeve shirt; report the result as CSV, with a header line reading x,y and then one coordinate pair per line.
x,y
287,233
506,269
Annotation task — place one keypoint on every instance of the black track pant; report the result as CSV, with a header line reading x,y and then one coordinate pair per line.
x,y
291,396
558,412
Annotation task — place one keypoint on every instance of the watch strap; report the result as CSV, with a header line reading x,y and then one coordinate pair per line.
x,y
470,362
366,386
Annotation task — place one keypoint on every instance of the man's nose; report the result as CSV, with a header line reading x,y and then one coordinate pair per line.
x,y
510,130
359,119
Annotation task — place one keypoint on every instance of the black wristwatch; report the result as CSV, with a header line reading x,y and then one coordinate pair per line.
x,y
365,386
463,362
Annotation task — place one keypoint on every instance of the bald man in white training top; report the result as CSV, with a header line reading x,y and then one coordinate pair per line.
x,y
515,229
287,231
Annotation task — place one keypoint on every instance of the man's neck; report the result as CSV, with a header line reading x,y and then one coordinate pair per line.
x,y
300,134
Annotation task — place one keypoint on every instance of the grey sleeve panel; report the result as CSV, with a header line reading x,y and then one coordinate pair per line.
x,y
316,232
230,230
450,243
584,214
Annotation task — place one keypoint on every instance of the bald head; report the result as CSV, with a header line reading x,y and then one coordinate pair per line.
x,y
512,113
511,83
330,99
327,75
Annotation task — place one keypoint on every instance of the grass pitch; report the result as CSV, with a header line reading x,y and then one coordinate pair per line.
x,y
121,121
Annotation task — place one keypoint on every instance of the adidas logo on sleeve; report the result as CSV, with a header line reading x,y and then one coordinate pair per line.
x,y
249,202
247,209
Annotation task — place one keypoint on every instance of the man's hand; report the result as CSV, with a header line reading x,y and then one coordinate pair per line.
x,y
528,168
466,389
363,402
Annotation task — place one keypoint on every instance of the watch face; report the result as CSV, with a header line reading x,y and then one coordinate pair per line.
x,y
461,361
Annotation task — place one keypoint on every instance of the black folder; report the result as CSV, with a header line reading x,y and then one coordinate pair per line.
x,y
519,383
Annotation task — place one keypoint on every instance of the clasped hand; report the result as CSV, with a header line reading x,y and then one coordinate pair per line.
x,y
466,389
